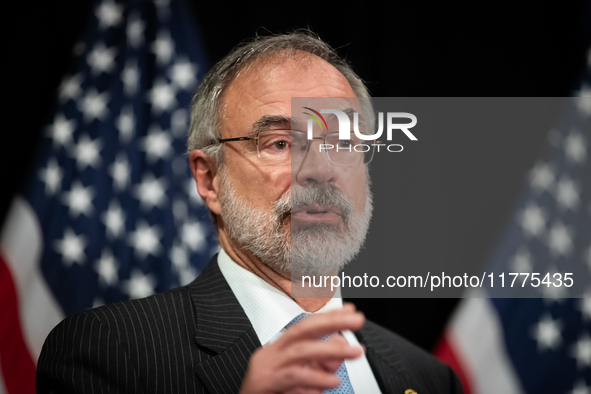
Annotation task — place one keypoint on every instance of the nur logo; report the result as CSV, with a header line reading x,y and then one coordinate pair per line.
x,y
361,134
345,124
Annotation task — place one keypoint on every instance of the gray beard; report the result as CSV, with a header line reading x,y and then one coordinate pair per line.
x,y
313,249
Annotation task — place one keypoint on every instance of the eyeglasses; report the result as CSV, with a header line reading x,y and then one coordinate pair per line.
x,y
289,147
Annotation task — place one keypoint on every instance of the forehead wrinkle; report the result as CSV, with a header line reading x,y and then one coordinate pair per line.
x,y
330,117
267,121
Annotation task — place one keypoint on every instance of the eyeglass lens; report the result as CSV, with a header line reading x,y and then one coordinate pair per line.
x,y
282,147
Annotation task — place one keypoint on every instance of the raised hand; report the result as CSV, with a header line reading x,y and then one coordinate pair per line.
x,y
297,362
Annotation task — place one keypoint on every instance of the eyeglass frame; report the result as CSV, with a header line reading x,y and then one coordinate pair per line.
x,y
246,138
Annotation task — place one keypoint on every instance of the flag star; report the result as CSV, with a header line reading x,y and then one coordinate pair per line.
x,y
79,199
145,240
94,105
560,239
139,284
162,96
522,261
581,387
157,144
71,247
567,193
581,351
547,333
114,220
575,147
179,209
533,220
101,59
187,275
193,235
130,77
52,175
70,88
553,293
542,177
87,152
179,256
61,131
135,30
125,124
183,74
179,123
583,100
163,47
120,171
106,267
151,192
109,14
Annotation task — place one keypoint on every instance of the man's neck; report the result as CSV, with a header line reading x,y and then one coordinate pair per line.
x,y
281,281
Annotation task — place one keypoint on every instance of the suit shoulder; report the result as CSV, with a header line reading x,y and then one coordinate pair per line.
x,y
123,341
161,307
410,359
138,321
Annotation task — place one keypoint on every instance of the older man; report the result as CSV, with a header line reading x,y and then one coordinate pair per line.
x,y
277,203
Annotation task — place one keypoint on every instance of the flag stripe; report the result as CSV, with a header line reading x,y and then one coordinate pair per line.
x,y
445,352
21,246
487,364
18,368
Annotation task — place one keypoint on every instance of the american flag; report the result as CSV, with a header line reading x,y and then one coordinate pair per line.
x,y
111,211
538,345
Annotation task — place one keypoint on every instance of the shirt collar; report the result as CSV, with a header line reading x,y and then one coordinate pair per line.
x,y
268,309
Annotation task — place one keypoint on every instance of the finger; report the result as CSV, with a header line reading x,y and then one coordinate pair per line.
x,y
323,324
331,366
305,378
305,352
304,391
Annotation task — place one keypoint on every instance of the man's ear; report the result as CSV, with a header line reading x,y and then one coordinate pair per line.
x,y
205,174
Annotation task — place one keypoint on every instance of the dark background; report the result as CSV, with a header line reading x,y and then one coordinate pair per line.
x,y
402,48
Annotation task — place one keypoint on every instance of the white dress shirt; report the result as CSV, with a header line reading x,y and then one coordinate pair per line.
x,y
270,310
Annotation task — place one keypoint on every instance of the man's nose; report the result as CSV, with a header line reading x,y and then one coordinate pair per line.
x,y
315,167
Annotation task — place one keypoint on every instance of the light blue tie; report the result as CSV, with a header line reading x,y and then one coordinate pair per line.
x,y
345,387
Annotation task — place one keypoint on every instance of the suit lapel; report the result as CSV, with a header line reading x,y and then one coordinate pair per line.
x,y
225,333
223,329
388,366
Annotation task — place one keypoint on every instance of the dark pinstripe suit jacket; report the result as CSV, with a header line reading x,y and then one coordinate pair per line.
x,y
197,339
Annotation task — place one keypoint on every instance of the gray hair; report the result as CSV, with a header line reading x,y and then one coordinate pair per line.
x,y
204,131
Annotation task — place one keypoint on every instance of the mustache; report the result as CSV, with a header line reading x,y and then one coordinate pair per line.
x,y
328,195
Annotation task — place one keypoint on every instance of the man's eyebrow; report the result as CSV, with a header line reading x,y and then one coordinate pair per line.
x,y
330,117
268,121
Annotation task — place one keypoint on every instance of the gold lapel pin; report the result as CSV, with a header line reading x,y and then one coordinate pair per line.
x,y
409,391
